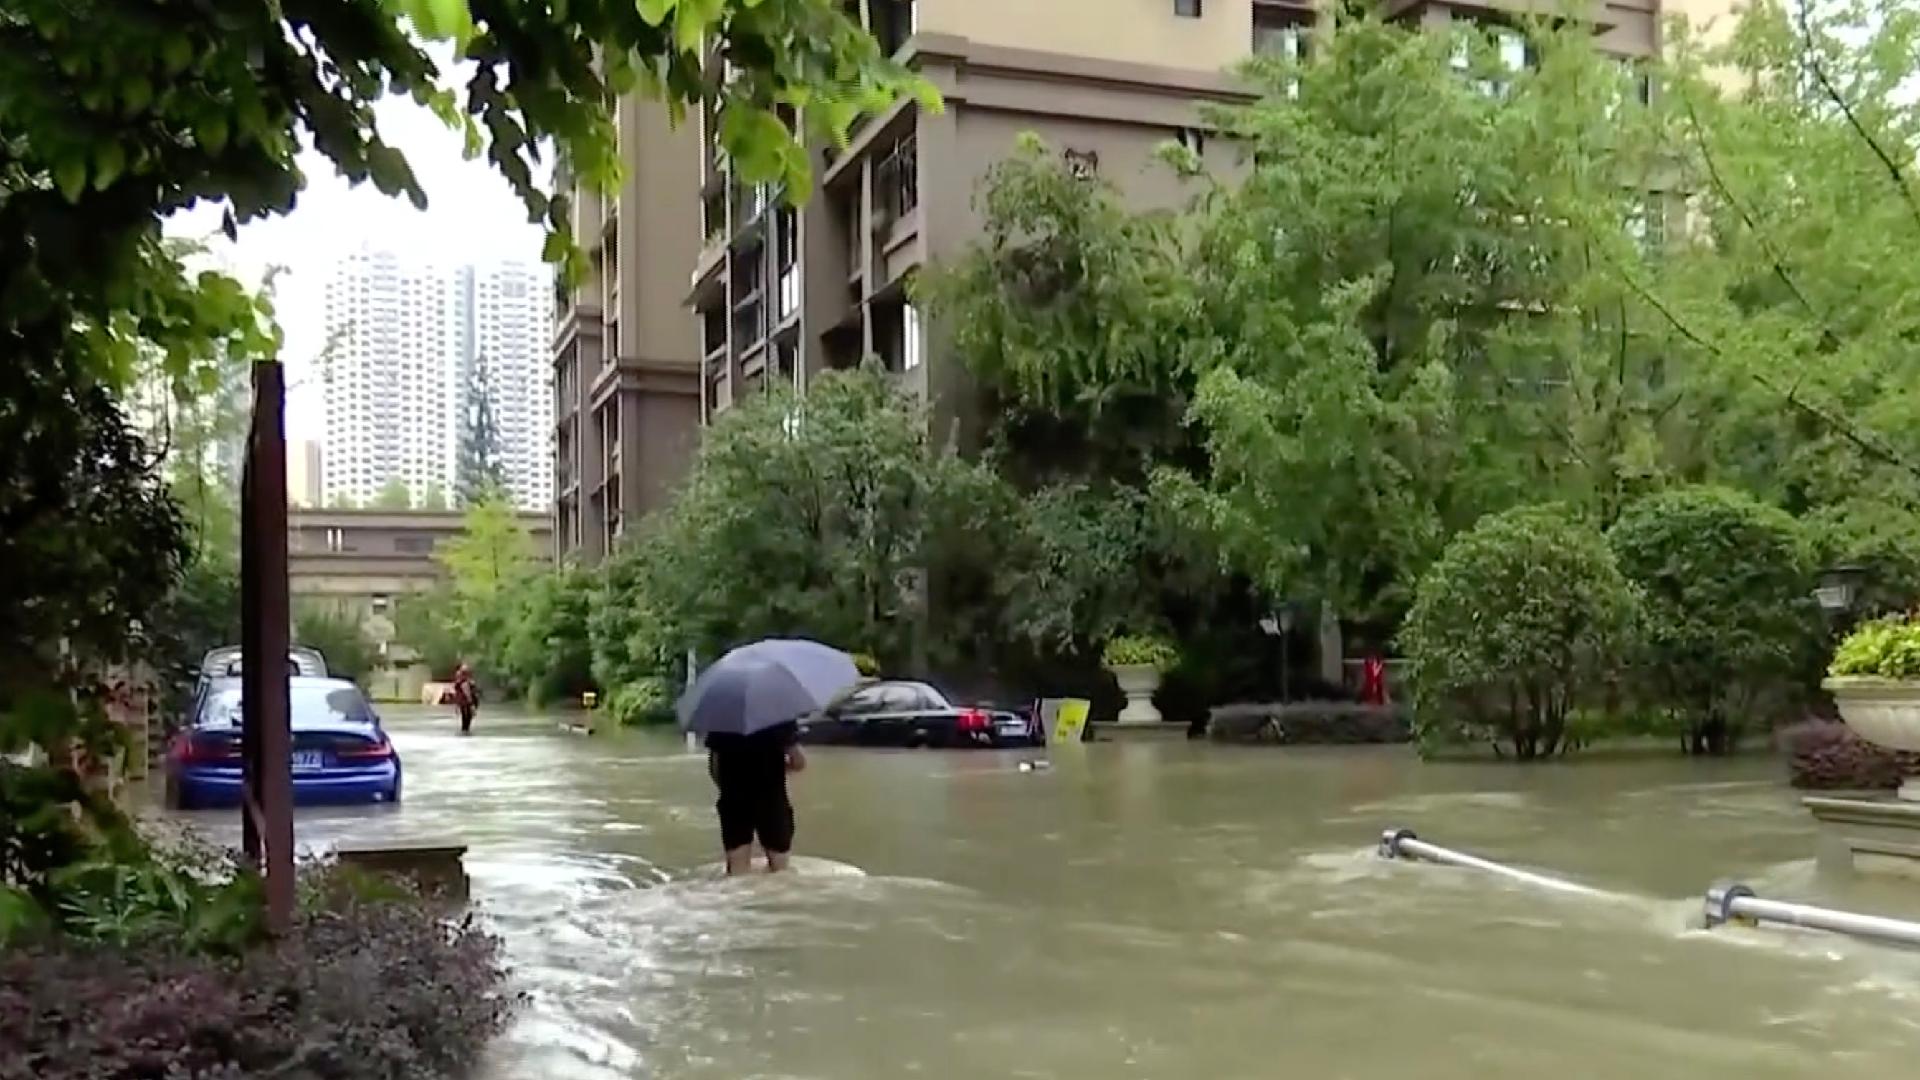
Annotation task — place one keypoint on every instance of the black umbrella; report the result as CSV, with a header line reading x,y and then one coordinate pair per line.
x,y
759,686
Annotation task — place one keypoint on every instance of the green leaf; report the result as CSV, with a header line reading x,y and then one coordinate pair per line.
x,y
109,161
654,11
176,52
136,93
554,248
212,131
441,20
70,176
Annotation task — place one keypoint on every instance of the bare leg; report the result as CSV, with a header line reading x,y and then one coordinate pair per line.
x,y
739,860
777,861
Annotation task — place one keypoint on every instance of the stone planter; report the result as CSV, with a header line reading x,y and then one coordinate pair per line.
x,y
1138,682
1885,712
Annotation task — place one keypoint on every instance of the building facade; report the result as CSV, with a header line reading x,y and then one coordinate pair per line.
x,y
506,316
306,481
360,562
409,341
737,291
390,376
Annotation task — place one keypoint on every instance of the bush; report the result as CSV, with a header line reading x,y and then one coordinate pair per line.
x,y
1726,591
547,649
1823,755
367,992
642,703
339,638
1310,723
1883,649
1520,619
1130,650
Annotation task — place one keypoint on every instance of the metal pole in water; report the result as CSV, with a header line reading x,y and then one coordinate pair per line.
x,y
1403,844
1731,902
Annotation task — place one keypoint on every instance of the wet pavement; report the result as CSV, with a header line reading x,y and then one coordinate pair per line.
x,y
1146,910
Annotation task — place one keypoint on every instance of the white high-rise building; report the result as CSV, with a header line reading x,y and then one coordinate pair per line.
x,y
390,376
508,308
406,337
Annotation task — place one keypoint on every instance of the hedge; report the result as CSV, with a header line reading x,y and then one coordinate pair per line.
x,y
1311,723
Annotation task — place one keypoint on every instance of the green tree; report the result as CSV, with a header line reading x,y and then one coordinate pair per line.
x,y
338,635
809,516
1524,618
487,564
548,650
422,624
1728,601
478,476
435,497
393,495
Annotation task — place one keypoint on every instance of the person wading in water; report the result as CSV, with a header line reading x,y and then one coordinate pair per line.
x,y
751,773
466,697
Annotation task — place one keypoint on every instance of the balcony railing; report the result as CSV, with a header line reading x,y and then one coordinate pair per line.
x,y
897,180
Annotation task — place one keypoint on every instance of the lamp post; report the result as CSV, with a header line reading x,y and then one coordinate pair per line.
x,y
1839,591
1280,625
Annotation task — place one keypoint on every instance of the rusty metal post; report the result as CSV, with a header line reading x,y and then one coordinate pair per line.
x,y
266,805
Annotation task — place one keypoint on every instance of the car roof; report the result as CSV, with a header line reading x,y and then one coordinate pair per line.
x,y
294,682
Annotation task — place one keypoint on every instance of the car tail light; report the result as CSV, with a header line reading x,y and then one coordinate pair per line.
x,y
190,749
973,720
374,751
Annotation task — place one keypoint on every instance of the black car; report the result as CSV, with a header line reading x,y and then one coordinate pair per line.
x,y
913,714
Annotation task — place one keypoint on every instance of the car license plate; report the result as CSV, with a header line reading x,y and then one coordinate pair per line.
x,y
308,759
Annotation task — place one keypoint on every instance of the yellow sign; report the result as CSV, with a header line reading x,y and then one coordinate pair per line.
x,y
1069,721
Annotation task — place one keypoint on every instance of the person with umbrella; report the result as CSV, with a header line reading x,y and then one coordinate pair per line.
x,y
749,705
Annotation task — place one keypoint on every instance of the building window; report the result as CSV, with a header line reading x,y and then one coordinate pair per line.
x,y
1187,9
911,346
897,178
787,260
380,603
894,21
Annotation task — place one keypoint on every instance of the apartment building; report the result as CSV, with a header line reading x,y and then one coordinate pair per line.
x,y
407,336
765,292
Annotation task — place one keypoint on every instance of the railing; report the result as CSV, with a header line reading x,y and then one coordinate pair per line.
x,y
1729,902
897,180
1403,844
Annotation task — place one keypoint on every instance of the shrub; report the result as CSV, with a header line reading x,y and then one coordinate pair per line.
x,y
1521,618
642,703
1726,590
339,637
866,665
1825,755
1883,649
1131,650
366,992
1310,723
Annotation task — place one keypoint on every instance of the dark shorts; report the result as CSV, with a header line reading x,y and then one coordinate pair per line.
x,y
759,811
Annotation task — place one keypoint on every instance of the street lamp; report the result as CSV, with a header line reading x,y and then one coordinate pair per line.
x,y
1280,625
1839,589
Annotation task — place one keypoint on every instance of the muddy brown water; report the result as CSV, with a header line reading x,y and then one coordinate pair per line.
x,y
1144,910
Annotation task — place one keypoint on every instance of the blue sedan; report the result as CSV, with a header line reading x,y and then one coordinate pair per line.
x,y
340,753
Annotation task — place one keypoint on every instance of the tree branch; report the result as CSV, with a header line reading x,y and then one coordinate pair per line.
x,y
1865,443
1819,72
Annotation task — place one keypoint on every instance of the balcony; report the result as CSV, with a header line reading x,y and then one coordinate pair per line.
x,y
896,181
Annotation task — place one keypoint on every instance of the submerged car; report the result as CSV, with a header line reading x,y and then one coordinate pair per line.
x,y
340,752
915,714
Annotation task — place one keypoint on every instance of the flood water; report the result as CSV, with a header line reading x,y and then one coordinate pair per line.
x,y
1144,910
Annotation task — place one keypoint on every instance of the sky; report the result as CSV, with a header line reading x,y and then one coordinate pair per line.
x,y
471,215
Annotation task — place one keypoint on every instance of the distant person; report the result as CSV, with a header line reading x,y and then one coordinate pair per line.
x,y
466,697
751,773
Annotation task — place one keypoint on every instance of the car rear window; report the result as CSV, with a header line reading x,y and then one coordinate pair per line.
x,y
308,706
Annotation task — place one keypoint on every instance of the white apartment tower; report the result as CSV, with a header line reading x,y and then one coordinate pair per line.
x,y
390,376
406,337
508,329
